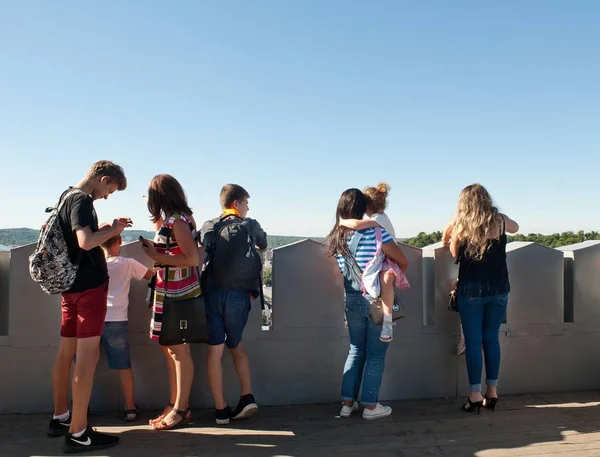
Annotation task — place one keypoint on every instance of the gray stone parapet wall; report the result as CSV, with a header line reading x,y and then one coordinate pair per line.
x,y
550,341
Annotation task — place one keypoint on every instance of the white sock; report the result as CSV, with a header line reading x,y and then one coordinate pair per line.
x,y
62,417
78,435
387,318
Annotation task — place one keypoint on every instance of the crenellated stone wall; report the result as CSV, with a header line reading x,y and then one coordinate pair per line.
x,y
550,341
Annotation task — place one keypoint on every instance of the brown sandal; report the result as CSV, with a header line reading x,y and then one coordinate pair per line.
x,y
160,417
185,416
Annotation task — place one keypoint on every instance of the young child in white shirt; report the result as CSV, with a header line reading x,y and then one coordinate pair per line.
x,y
391,275
115,338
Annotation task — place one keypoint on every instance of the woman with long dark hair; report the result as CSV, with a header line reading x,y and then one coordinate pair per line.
x,y
175,251
366,358
477,238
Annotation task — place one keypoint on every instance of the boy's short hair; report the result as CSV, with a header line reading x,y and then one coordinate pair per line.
x,y
111,170
111,241
230,193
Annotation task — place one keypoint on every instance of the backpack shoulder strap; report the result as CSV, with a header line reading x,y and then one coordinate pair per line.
x,y
350,263
230,219
223,221
378,235
224,217
63,198
353,243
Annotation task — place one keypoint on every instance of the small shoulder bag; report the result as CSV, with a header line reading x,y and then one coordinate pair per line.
x,y
183,321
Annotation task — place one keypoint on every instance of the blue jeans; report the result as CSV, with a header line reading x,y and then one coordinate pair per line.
x,y
227,313
366,359
481,318
115,340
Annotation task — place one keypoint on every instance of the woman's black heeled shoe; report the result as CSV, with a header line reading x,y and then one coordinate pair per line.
x,y
490,403
471,406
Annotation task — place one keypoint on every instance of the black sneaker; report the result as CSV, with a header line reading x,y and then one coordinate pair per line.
x,y
222,416
245,408
91,440
58,427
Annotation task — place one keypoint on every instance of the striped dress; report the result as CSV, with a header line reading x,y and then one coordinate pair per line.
x,y
183,281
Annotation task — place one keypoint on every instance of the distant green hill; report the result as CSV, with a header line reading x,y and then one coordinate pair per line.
x,y
23,236
18,236
276,241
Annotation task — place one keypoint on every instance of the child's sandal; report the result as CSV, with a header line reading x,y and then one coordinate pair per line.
x,y
131,415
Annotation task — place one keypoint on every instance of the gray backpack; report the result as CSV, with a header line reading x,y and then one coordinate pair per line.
x,y
50,265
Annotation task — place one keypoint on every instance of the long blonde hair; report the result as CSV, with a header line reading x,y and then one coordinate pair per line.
x,y
476,220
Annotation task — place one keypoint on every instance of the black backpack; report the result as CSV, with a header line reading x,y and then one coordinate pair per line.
x,y
232,259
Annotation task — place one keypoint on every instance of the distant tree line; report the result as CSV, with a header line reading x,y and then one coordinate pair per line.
x,y
554,240
22,236
268,277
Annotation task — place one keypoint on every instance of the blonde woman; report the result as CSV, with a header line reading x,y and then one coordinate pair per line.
x,y
476,236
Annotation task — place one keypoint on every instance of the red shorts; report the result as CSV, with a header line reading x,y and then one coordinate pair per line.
x,y
83,313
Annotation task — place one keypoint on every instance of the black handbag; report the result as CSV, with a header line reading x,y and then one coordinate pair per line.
x,y
453,301
453,295
376,310
183,321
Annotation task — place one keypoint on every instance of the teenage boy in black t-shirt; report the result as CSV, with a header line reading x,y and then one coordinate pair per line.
x,y
84,306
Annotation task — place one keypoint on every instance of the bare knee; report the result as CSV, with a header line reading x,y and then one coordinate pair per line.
x,y
238,352
66,352
388,277
88,349
88,354
180,352
215,352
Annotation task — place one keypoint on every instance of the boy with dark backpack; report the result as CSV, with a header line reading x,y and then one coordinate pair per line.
x,y
231,277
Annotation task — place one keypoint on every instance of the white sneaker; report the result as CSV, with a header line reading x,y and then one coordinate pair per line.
x,y
387,332
348,410
377,413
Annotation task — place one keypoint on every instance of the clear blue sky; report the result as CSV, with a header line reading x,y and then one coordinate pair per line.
x,y
299,100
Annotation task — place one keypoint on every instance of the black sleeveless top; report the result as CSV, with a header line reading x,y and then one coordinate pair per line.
x,y
485,277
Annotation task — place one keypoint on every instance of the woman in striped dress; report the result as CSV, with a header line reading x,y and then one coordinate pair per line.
x,y
175,251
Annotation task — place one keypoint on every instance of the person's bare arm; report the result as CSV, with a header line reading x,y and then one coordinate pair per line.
x,y
358,224
189,248
393,251
511,226
148,274
447,233
446,236
88,240
454,246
